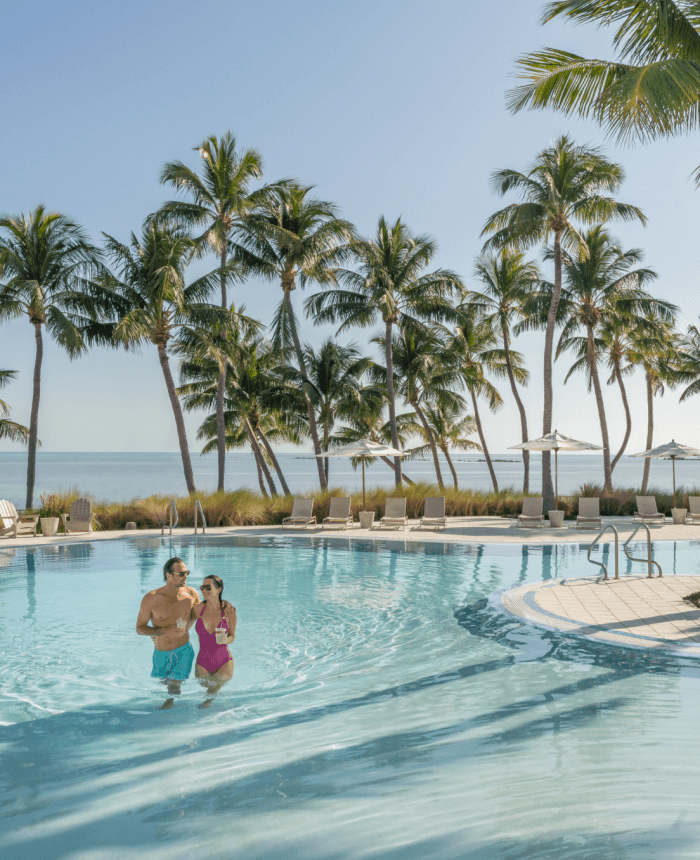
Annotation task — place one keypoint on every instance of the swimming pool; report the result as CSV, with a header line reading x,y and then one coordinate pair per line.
x,y
379,708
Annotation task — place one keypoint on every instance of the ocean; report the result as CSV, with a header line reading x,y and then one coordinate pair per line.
x,y
123,476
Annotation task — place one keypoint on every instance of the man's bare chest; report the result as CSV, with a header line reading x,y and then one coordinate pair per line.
x,y
170,608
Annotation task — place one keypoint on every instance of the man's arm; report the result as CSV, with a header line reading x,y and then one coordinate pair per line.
x,y
144,617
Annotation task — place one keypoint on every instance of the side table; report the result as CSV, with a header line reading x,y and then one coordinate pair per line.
x,y
678,515
49,526
556,519
366,519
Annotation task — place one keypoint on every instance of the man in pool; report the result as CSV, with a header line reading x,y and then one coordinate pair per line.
x,y
168,610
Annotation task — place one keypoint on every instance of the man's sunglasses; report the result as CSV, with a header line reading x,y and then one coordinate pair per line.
x,y
181,573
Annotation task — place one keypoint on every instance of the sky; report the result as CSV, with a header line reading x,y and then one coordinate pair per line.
x,y
389,107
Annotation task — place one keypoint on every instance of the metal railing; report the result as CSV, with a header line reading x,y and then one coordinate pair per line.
x,y
600,563
172,509
198,506
648,560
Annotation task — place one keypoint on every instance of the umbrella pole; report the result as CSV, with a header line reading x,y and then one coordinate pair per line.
x,y
556,479
673,460
363,484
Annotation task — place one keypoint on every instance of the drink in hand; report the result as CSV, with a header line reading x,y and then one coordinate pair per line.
x,y
221,634
181,623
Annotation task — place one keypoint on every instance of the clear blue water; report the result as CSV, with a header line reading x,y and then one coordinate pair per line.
x,y
123,476
379,708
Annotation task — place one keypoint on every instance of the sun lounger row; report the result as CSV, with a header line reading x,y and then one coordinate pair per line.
x,y
13,525
340,515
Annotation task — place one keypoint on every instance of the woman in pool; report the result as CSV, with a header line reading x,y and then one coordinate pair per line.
x,y
216,628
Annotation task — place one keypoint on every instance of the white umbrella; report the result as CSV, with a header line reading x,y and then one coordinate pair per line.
x,y
363,448
670,451
556,442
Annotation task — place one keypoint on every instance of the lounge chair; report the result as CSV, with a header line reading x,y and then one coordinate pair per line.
x,y
532,512
647,512
693,515
80,517
301,514
339,514
12,525
395,514
434,513
588,513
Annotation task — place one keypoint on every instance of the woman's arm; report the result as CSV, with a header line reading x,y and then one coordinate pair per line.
x,y
232,620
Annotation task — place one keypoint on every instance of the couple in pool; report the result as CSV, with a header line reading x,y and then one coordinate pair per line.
x,y
166,615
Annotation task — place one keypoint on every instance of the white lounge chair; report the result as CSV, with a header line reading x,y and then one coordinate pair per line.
x,y
339,513
434,513
588,513
693,515
80,517
13,525
647,511
532,512
301,514
394,514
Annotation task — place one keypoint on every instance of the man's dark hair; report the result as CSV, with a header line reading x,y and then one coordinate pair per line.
x,y
170,564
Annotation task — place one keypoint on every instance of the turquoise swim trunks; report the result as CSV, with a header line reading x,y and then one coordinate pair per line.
x,y
175,664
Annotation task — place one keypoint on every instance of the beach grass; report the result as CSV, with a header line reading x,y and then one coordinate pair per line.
x,y
244,507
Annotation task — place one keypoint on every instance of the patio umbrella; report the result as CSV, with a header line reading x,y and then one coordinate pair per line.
x,y
556,442
363,448
670,451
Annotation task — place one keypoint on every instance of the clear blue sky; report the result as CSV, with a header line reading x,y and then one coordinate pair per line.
x,y
393,107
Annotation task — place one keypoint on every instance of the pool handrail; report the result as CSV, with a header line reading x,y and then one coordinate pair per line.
x,y
172,508
600,563
648,560
198,505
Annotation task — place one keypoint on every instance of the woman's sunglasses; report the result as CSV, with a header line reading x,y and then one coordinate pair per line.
x,y
206,587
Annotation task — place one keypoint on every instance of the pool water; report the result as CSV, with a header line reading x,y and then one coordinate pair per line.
x,y
380,708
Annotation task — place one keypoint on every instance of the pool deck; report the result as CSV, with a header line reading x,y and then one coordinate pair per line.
x,y
632,611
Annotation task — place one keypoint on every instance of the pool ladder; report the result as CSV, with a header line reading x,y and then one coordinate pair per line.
x,y
649,561
198,506
172,509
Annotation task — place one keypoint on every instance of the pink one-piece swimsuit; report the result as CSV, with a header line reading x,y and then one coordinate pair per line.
x,y
212,656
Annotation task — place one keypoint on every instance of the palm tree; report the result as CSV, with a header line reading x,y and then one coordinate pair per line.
x,y
46,263
613,342
508,281
601,286
10,429
472,350
450,429
155,304
296,238
566,182
391,285
220,197
650,91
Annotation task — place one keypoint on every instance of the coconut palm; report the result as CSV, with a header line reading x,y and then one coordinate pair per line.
x,y
156,305
220,196
295,238
567,182
47,265
10,429
508,281
450,429
390,285
650,91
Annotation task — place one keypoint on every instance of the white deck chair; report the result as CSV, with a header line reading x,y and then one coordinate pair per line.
x,y
301,514
693,515
339,514
588,513
434,513
647,511
12,525
532,512
394,514
80,517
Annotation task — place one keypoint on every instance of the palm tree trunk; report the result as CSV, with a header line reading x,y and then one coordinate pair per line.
x,y
220,392
275,463
484,446
431,442
389,357
261,458
593,365
547,487
34,420
261,480
446,452
313,429
326,433
404,476
628,417
650,430
179,420
521,409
